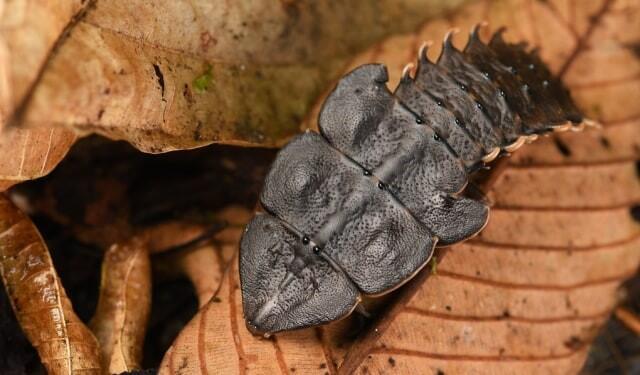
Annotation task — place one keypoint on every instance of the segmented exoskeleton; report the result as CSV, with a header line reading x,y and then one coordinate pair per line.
x,y
359,208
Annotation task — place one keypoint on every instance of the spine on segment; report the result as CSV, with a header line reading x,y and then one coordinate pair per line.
x,y
497,96
358,209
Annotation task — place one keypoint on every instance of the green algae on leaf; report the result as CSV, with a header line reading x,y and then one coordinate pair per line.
x,y
269,63
202,82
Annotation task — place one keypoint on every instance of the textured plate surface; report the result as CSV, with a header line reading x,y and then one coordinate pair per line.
x,y
358,209
364,229
285,287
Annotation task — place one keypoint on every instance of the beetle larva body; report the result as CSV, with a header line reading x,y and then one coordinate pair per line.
x,y
358,209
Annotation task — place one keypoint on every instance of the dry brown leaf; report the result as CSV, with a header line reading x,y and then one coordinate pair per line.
x,y
26,154
235,73
527,295
183,74
120,320
64,343
123,309
170,234
200,263
203,265
29,31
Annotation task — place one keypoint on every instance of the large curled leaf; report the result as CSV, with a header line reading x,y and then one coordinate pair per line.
x,y
528,295
241,73
182,74
64,343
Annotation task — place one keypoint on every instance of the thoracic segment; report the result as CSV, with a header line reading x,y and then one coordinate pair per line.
x,y
359,209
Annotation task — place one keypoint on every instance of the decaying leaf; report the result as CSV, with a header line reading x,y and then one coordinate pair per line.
x,y
205,264
29,31
120,320
26,154
199,262
64,343
202,267
181,248
238,72
529,294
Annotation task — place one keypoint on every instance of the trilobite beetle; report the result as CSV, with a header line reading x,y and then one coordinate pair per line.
x,y
358,208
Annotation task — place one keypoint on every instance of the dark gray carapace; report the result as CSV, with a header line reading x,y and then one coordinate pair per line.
x,y
358,209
